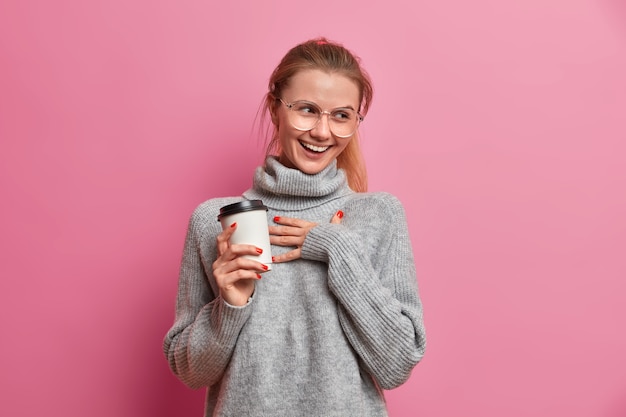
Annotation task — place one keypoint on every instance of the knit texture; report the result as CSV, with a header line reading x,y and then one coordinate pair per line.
x,y
322,335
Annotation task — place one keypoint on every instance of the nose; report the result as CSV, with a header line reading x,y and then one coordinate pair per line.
x,y
321,130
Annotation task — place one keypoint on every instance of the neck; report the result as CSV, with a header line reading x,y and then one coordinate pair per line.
x,y
281,187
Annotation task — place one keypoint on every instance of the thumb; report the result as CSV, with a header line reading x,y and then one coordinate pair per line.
x,y
337,217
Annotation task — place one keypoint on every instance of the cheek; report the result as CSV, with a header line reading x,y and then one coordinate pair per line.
x,y
283,136
281,120
284,130
344,145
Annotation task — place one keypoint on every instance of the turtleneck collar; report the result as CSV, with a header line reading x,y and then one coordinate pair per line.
x,y
291,189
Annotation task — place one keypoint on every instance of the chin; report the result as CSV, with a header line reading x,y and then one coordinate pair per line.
x,y
313,168
310,167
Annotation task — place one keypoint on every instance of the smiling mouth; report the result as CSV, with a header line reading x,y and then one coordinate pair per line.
x,y
313,148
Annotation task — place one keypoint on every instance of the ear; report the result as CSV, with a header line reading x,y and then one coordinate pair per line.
x,y
274,112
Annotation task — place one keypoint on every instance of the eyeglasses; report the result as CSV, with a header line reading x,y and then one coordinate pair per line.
x,y
305,115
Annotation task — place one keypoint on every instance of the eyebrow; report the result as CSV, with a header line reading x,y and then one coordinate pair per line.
x,y
338,107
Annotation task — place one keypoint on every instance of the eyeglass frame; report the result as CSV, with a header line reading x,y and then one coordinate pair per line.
x,y
289,106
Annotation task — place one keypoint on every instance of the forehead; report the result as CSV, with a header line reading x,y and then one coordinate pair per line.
x,y
327,89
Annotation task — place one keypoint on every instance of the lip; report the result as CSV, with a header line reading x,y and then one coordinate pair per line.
x,y
314,149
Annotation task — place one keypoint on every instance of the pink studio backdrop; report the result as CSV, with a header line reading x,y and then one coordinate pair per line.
x,y
500,125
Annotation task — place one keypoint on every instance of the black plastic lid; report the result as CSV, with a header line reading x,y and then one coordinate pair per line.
x,y
246,205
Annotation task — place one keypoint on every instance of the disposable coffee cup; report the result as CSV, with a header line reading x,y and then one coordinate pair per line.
x,y
252,227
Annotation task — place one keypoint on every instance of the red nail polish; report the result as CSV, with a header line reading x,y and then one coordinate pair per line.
x,y
259,250
276,219
273,259
258,276
234,224
340,214
266,267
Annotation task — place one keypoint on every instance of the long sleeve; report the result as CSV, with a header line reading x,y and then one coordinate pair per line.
x,y
371,272
316,325
200,343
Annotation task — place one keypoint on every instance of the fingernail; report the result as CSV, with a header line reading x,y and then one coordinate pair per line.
x,y
273,259
266,267
234,224
276,218
340,214
259,250
258,276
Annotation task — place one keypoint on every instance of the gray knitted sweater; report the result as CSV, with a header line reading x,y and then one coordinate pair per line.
x,y
322,335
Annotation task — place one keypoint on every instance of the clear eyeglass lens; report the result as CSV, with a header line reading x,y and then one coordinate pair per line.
x,y
305,115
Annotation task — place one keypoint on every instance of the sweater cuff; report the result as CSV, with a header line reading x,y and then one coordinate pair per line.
x,y
229,319
315,246
243,306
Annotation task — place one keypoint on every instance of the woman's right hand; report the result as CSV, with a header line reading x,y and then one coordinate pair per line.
x,y
234,274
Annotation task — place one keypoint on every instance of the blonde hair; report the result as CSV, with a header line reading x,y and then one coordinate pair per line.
x,y
328,56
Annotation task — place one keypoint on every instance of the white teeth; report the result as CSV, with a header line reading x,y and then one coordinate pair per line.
x,y
314,148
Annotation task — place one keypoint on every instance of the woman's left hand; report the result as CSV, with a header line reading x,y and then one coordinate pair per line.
x,y
292,232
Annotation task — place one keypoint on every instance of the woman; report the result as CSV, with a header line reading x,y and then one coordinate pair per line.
x,y
338,317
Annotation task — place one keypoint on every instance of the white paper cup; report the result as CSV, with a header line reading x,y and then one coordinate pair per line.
x,y
252,227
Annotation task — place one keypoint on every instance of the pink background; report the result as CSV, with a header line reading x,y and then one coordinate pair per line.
x,y
500,125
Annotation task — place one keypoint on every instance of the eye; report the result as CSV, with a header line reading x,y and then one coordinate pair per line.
x,y
343,115
304,108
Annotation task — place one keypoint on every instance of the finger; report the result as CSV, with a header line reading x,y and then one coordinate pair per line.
x,y
287,231
290,221
224,269
224,262
224,237
287,235
288,256
337,217
241,264
229,282
286,240
236,251
244,249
